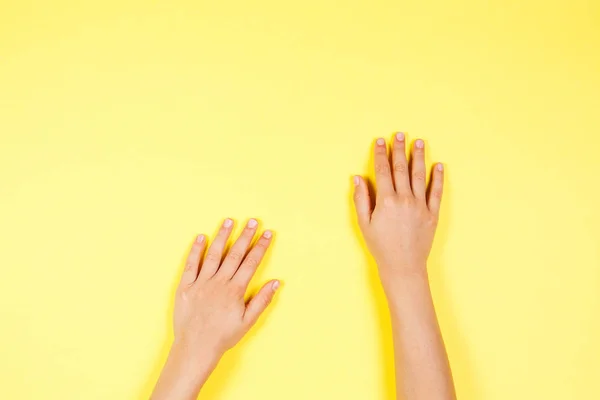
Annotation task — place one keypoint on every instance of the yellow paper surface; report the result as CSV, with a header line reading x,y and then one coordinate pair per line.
x,y
127,127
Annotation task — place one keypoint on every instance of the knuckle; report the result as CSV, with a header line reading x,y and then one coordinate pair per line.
x,y
389,201
407,201
432,220
184,292
251,263
382,168
437,193
235,255
357,196
262,244
237,289
219,280
264,301
419,175
400,167
213,256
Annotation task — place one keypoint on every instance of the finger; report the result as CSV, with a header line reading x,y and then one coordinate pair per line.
x,y
401,179
383,175
436,188
192,264
214,255
252,261
236,254
260,302
362,201
417,178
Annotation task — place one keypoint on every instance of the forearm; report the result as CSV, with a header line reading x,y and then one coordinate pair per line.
x,y
422,369
182,377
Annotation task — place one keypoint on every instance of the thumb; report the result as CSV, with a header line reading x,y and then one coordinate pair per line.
x,y
362,201
260,302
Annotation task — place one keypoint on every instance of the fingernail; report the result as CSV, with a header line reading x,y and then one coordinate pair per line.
x,y
419,144
268,234
275,285
199,238
356,181
380,141
227,223
252,223
440,167
399,136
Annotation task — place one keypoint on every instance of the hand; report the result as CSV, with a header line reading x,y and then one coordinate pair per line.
x,y
399,231
211,315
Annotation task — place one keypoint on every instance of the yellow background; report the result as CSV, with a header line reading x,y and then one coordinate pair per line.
x,y
127,127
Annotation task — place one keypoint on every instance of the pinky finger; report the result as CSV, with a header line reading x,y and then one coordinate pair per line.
x,y
436,188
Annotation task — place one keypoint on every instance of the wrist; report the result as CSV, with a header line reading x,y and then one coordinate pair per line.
x,y
401,284
194,358
396,273
185,372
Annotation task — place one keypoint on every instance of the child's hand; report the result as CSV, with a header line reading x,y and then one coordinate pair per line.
x,y
399,231
211,315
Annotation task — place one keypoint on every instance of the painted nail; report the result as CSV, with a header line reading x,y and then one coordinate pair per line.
x,y
275,285
199,238
227,223
399,136
419,144
356,181
381,141
252,223
440,167
268,234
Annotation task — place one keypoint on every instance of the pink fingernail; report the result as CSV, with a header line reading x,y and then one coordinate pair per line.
x,y
268,234
227,223
200,239
440,167
275,285
419,144
381,141
356,181
399,136
252,223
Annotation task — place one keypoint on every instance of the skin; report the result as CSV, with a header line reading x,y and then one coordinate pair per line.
x,y
211,315
398,223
